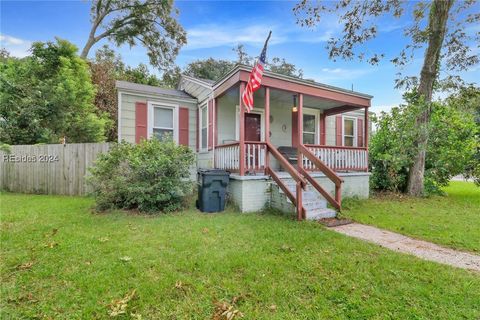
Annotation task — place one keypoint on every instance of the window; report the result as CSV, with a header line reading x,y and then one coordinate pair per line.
x,y
204,127
162,121
309,129
349,132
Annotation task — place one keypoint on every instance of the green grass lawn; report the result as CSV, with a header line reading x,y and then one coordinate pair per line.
x,y
452,220
60,261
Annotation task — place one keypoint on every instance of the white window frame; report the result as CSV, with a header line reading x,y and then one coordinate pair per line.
x,y
200,120
163,105
261,112
315,113
355,138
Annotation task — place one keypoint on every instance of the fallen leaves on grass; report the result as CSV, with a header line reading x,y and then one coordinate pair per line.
x,y
103,239
126,259
227,311
287,248
205,230
272,308
51,245
25,266
119,306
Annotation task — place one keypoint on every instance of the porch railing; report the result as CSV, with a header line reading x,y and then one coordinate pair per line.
x,y
338,158
227,156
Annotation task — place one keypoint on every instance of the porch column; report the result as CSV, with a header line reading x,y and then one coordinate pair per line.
x,y
323,129
299,156
365,134
267,126
242,130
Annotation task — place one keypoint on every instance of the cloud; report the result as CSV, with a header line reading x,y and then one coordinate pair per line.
x,y
16,46
329,74
218,35
212,35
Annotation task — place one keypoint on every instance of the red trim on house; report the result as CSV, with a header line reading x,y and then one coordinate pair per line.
x,y
366,128
242,130
183,126
360,132
210,124
306,89
141,121
323,129
338,130
294,128
342,109
197,142
216,120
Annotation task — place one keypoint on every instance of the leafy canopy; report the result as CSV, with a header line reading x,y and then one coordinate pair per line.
x,y
149,23
452,149
47,96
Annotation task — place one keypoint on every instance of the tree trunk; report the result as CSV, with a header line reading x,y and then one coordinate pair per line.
x,y
88,46
437,26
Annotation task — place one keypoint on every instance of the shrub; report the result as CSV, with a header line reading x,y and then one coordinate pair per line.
x,y
451,146
150,176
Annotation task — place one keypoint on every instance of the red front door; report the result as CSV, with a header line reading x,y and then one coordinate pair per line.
x,y
252,127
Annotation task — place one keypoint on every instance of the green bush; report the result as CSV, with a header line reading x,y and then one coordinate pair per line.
x,y
151,176
451,146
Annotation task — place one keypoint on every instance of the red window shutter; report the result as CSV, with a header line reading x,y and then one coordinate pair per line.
x,y
140,121
294,129
338,130
198,130
210,124
183,126
216,123
360,132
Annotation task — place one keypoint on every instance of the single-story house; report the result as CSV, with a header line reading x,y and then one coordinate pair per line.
x,y
305,144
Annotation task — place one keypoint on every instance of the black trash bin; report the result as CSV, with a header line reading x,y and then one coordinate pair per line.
x,y
212,189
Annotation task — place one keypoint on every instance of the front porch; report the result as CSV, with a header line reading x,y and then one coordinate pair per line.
x,y
299,128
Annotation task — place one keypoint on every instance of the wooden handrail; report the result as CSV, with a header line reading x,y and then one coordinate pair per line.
x,y
337,202
334,147
320,189
282,186
228,144
319,164
286,165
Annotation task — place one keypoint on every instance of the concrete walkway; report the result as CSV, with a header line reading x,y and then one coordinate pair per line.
x,y
422,249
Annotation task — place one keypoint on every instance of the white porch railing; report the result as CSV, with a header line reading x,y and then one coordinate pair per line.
x,y
255,156
339,158
227,156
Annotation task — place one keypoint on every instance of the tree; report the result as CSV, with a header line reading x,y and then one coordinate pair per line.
x,y
211,69
48,96
439,27
452,147
149,23
106,68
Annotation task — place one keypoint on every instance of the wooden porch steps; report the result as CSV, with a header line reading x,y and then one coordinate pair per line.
x,y
314,204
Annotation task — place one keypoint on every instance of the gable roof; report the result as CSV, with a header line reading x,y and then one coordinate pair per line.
x,y
143,88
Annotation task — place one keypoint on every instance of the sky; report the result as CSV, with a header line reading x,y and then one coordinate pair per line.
x,y
215,27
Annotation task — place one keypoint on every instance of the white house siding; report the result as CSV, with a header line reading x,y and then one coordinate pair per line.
x,y
127,115
205,160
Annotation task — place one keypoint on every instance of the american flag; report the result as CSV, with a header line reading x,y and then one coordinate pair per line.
x,y
255,79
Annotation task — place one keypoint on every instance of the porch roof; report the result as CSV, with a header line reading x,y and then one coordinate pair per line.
x,y
346,98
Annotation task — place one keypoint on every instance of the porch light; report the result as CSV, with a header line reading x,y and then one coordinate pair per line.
x,y
294,108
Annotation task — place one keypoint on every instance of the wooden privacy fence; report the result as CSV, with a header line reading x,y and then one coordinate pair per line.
x,y
50,168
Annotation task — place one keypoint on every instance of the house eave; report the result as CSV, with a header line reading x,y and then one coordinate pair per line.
x,y
240,67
